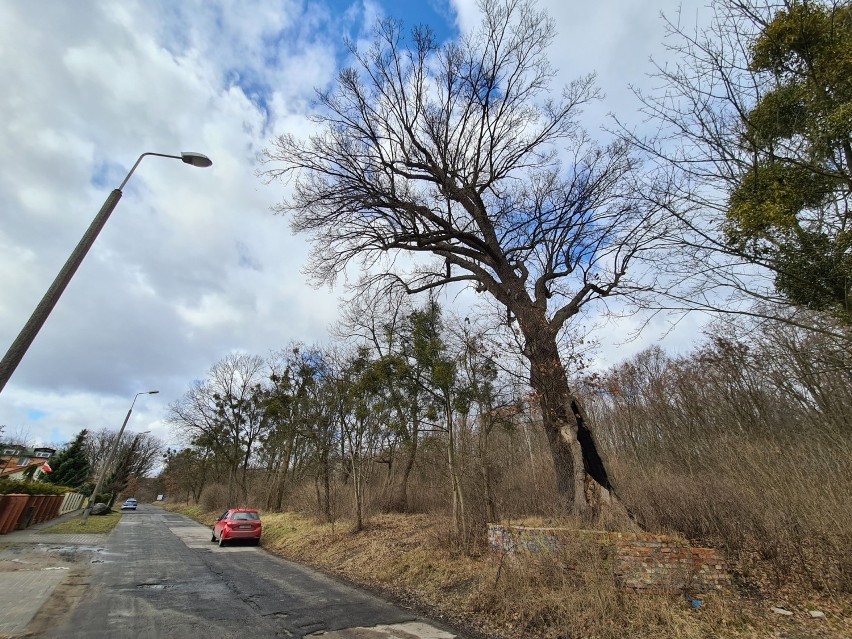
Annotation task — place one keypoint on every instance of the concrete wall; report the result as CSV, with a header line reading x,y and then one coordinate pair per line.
x,y
639,560
72,501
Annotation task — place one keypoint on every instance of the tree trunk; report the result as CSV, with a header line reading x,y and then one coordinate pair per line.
x,y
196,492
359,496
282,475
401,500
230,486
581,476
549,381
485,465
326,485
459,519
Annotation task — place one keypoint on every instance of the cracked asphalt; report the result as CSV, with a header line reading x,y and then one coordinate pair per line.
x,y
160,576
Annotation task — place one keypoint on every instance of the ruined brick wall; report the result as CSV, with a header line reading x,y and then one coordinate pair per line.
x,y
639,560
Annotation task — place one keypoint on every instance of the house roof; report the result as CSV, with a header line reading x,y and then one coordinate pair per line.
x,y
25,451
19,470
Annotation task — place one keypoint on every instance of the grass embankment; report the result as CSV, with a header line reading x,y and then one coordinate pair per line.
x,y
95,524
407,557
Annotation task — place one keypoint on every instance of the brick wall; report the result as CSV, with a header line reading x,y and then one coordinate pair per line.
x,y
639,560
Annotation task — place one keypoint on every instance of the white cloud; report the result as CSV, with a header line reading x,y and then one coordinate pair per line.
x,y
192,265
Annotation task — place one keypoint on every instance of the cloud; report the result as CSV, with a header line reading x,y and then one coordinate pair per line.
x,y
192,265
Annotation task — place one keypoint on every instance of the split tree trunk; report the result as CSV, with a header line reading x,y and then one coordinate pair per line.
x,y
559,419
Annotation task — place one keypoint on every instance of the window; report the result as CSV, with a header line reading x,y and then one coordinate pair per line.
x,y
244,517
23,461
10,451
43,453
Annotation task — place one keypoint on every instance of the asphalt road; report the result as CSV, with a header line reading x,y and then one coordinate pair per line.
x,y
159,575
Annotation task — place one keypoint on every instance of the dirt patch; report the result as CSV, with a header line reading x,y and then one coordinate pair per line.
x,y
62,602
74,561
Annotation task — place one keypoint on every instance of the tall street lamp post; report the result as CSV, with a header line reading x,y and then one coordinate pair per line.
x,y
105,468
16,351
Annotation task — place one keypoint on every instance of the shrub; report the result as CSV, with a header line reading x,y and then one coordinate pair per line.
x,y
13,486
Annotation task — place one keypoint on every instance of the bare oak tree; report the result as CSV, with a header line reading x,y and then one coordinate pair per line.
x,y
439,164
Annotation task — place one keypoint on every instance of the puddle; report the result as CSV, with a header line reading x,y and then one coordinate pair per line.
x,y
70,553
69,549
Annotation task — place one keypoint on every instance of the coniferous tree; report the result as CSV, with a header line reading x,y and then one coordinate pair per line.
x,y
71,466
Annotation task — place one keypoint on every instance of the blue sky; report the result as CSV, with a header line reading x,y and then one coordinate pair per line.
x,y
438,14
193,265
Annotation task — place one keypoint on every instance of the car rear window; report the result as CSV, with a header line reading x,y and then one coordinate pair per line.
x,y
252,516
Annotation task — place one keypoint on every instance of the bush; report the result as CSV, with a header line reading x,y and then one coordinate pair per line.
x,y
214,497
13,486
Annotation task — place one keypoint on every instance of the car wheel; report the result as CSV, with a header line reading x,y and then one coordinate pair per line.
x,y
213,537
255,542
222,541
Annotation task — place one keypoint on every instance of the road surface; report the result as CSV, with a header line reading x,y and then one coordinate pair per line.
x,y
159,575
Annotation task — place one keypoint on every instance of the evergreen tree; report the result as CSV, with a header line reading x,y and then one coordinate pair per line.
x,y
71,466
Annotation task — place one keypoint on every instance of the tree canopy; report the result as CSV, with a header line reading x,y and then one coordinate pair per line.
x,y
755,120
436,164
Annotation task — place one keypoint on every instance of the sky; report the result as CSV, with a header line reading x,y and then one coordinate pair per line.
x,y
193,265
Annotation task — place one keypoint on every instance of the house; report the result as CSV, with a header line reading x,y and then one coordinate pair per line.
x,y
16,460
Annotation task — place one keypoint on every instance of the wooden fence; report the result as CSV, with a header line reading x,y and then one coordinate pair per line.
x,y
21,511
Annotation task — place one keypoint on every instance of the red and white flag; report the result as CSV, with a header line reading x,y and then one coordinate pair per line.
x,y
45,468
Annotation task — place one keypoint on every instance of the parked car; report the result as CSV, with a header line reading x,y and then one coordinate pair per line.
x,y
129,504
238,523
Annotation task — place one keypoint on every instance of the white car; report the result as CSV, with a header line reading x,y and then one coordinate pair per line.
x,y
130,504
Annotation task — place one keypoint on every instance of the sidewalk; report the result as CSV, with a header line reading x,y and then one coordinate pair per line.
x,y
32,567
33,534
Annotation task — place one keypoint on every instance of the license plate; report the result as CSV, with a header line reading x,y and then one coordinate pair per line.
x,y
246,527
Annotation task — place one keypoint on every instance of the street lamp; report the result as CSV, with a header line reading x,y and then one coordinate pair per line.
x,y
112,450
16,351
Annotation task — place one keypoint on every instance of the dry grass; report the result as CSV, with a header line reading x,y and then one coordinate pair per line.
x,y
568,596
743,445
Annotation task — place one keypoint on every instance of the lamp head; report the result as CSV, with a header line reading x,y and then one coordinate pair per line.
x,y
153,392
196,159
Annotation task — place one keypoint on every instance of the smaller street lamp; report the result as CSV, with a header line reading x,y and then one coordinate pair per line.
x,y
111,455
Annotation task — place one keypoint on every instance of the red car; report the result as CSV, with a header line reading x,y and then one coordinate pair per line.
x,y
238,523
